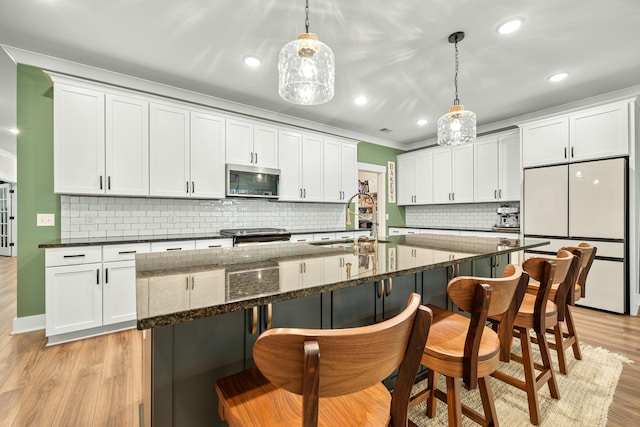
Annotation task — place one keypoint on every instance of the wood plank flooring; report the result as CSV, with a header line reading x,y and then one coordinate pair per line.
x,y
97,381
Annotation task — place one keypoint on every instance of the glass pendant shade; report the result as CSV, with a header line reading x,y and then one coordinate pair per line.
x,y
306,69
457,126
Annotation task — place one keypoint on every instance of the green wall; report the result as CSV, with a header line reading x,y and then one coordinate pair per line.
x,y
379,155
35,178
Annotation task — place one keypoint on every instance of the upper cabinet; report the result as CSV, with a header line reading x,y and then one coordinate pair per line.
x,y
594,133
207,155
340,170
251,144
301,167
415,182
453,174
101,141
497,168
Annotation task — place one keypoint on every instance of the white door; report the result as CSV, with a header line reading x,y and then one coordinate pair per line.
x,y
119,292
545,142
73,298
600,132
6,220
239,143
462,176
597,195
605,286
423,178
442,175
486,170
331,158
349,171
169,151
546,201
78,147
312,168
168,294
127,146
207,155
207,288
265,146
290,154
509,168
406,180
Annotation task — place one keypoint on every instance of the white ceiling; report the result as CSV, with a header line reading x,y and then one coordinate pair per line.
x,y
395,53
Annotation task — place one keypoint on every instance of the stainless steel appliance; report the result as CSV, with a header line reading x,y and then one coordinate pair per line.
x,y
585,201
246,236
251,181
508,216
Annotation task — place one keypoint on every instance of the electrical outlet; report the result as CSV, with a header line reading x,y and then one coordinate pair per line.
x,y
45,220
387,216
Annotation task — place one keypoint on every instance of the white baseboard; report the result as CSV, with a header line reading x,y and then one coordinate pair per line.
x,y
88,333
25,324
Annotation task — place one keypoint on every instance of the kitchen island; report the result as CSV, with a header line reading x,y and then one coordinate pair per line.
x,y
201,311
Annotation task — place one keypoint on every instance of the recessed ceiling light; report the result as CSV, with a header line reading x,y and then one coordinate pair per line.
x,y
14,131
558,76
361,100
422,122
252,61
510,26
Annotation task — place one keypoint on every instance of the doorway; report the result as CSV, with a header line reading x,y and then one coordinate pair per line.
x,y
372,180
6,220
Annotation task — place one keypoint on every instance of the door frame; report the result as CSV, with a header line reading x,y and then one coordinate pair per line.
x,y
381,172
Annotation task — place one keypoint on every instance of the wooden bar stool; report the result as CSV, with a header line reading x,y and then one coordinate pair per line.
x,y
309,377
536,314
463,347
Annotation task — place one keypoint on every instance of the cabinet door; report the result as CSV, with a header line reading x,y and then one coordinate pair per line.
x,y
485,171
265,146
600,132
127,146
442,175
509,168
546,201
545,142
406,180
78,152
312,168
406,258
119,292
312,272
423,178
606,288
331,158
207,155
462,177
354,306
396,294
290,155
207,288
73,298
169,151
348,170
168,294
290,274
239,143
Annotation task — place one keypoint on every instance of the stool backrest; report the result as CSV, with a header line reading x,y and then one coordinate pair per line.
x,y
587,255
335,362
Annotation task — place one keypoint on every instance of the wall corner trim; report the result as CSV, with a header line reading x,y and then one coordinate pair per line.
x,y
25,324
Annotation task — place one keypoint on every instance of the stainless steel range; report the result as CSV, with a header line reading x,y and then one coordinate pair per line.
x,y
245,236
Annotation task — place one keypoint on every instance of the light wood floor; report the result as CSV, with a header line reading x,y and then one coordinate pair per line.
x,y
96,381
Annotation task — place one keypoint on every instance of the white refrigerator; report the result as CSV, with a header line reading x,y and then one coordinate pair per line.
x,y
585,201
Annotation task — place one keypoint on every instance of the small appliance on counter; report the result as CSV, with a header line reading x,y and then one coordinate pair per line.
x,y
508,217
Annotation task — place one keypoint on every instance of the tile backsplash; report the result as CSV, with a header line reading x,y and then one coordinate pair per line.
x,y
85,217
471,215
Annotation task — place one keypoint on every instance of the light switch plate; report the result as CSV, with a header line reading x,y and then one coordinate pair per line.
x,y
45,220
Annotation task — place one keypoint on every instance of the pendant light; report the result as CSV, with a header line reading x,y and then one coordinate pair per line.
x,y
306,69
458,126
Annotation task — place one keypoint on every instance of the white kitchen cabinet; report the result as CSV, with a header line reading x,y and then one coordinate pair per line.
x,y
126,145
78,135
176,245
207,155
462,173
324,237
251,144
401,231
589,134
340,170
214,243
207,288
497,168
119,292
169,151
301,273
411,256
168,294
442,172
301,171
305,237
415,178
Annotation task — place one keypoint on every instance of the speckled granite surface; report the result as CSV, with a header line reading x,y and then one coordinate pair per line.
x,y
174,287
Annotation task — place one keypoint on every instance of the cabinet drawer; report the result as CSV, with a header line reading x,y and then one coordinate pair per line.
x,y
301,238
72,255
214,243
179,245
323,237
124,252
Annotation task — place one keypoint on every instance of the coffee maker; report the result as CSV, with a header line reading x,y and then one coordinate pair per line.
x,y
508,217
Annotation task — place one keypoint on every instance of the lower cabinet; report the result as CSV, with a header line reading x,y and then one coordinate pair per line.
x,y
118,296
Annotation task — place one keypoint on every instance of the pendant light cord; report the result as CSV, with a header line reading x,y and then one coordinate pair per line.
x,y
455,79
306,21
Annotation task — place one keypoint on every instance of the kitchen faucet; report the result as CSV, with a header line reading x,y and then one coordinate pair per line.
x,y
374,213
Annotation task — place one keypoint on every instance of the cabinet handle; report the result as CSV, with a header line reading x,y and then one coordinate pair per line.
x,y
500,193
251,158
449,196
300,268
304,190
269,315
380,293
572,152
109,182
174,249
256,158
98,276
390,288
101,182
215,246
186,284
73,256
453,196
193,282
304,267
458,270
565,152
125,252
325,238
193,187
106,275
254,320
495,194
187,186
301,193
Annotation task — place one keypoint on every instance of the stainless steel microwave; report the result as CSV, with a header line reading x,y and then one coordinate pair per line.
x,y
251,181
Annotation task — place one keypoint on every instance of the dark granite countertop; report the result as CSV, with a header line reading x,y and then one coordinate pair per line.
x,y
494,229
94,241
175,287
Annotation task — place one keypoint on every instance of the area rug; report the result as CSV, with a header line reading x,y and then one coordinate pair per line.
x,y
585,394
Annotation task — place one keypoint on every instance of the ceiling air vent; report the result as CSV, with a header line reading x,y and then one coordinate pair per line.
x,y
385,130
